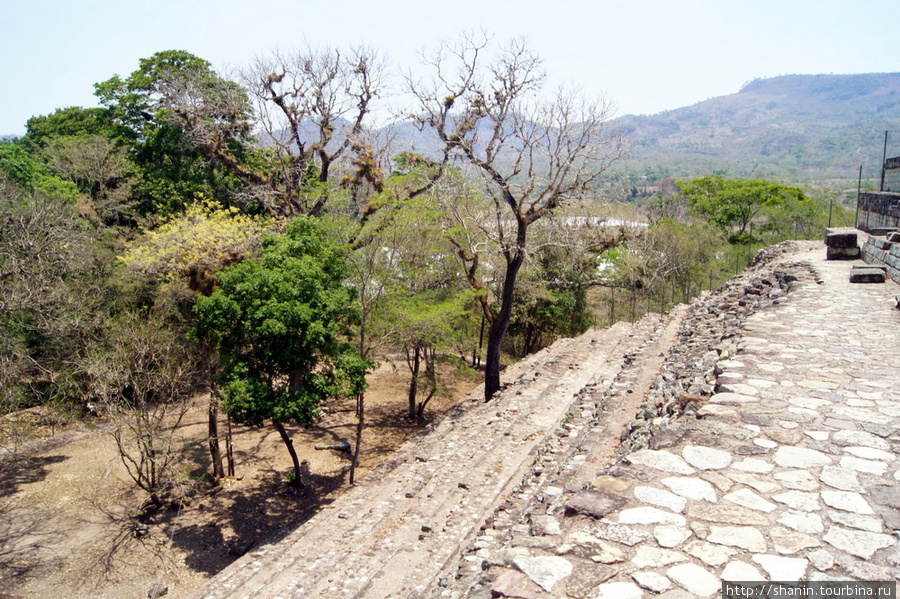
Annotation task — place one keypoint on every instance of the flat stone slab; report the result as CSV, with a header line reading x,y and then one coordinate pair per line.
x,y
857,542
546,571
842,239
867,275
833,253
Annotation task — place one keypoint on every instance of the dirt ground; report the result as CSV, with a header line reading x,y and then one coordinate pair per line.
x,y
67,507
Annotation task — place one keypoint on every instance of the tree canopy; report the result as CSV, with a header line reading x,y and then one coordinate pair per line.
x,y
731,204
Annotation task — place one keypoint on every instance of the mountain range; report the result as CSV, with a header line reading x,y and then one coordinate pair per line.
x,y
792,127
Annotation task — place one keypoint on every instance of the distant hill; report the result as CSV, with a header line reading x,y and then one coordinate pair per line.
x,y
803,127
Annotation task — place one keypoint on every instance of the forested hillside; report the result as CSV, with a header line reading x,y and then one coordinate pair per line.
x,y
801,127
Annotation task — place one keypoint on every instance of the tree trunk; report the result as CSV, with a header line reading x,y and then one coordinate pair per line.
x,y
431,375
414,367
360,425
298,481
497,332
215,451
229,446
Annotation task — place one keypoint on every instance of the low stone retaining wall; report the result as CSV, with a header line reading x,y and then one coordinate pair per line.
x,y
881,252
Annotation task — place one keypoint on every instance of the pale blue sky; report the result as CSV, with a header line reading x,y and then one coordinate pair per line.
x,y
646,55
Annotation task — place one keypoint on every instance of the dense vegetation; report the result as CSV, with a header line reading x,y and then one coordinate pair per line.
x,y
257,237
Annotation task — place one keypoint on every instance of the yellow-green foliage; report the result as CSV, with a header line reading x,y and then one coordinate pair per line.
x,y
192,247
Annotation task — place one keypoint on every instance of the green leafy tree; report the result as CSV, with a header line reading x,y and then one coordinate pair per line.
x,y
20,167
279,322
731,204
175,110
68,122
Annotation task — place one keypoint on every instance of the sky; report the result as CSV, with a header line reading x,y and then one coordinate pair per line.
x,y
646,56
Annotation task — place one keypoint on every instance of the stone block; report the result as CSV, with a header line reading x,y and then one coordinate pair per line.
x,y
867,275
893,236
839,253
840,239
879,243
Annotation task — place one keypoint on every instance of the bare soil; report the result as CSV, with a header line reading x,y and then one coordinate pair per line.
x,y
68,509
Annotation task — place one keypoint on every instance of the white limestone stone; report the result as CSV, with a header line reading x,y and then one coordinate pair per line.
x,y
709,553
660,459
787,569
861,465
695,579
870,453
847,501
857,521
762,383
859,438
749,499
728,364
714,409
788,424
648,558
741,572
691,488
789,542
840,478
811,403
798,500
754,465
817,435
545,570
820,559
651,581
765,443
799,480
669,535
745,537
809,523
733,398
660,498
706,458
619,590
739,389
857,414
800,457
650,515
760,484
860,543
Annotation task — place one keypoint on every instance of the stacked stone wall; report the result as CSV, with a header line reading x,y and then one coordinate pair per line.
x,y
881,252
879,212
892,174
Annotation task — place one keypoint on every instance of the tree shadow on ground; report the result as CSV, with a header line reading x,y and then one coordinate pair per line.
x,y
245,518
21,537
19,470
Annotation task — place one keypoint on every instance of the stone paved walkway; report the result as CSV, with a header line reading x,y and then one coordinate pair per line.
x,y
791,471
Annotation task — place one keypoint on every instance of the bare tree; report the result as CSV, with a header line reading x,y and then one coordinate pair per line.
x,y
534,152
311,106
144,373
